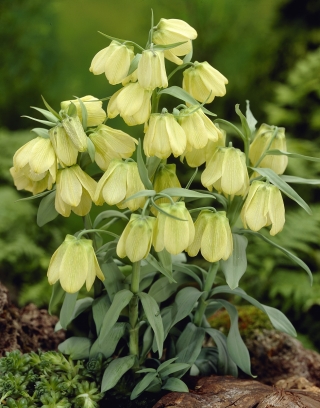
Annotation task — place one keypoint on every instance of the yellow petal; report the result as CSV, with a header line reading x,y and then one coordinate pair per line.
x,y
276,210
55,263
42,156
70,186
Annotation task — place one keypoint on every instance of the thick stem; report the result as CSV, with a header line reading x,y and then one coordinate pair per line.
x,y
134,311
202,305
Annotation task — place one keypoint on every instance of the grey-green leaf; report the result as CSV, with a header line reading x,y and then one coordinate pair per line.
x,y
143,172
277,152
77,347
67,309
236,347
189,344
182,192
80,306
48,115
143,385
107,348
115,370
300,180
175,384
289,254
283,186
251,120
41,132
47,210
91,149
151,309
108,214
158,267
120,301
236,265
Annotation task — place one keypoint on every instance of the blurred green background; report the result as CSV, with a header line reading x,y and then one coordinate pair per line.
x,y
268,49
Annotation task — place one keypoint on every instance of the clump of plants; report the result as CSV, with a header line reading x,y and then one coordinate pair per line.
x,y
49,380
147,304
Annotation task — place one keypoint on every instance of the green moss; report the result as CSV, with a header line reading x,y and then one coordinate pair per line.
x,y
250,320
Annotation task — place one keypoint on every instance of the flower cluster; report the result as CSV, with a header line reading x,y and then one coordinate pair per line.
x,y
58,159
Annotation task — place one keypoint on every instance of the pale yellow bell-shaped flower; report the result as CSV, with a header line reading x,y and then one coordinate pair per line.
x,y
136,239
172,234
26,179
74,263
263,207
111,144
213,236
202,80
263,141
171,31
226,171
95,113
133,104
119,182
152,71
74,130
74,191
114,61
38,153
164,136
196,157
198,128
64,149
165,177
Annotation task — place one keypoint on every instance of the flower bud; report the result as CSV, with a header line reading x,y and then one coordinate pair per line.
x,y
152,71
64,148
74,129
75,191
263,207
212,236
111,144
164,136
165,177
74,263
114,61
132,102
38,153
136,238
95,114
175,235
264,140
120,181
197,127
226,171
202,80
171,31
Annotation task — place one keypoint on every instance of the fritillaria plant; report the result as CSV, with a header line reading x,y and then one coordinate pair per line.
x,y
149,305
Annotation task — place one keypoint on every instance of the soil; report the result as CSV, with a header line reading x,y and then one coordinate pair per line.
x,y
27,329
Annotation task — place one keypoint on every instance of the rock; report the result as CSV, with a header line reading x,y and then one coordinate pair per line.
x,y
276,356
27,329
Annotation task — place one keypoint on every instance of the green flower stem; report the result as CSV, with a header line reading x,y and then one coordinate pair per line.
x,y
155,101
202,305
134,312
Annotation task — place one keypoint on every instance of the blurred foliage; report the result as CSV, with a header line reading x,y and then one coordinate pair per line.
x,y
29,57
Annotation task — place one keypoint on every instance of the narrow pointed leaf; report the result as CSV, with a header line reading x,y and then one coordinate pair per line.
x,y
48,115
299,180
143,193
277,318
120,301
188,57
50,109
47,211
76,347
114,278
251,120
173,368
84,115
175,384
41,132
162,47
152,311
107,348
115,370
80,306
277,152
56,296
44,193
152,261
134,63
67,309
183,95
91,149
289,254
190,343
143,384
108,214
236,265
44,122
143,172
283,186
244,122
182,192
236,347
